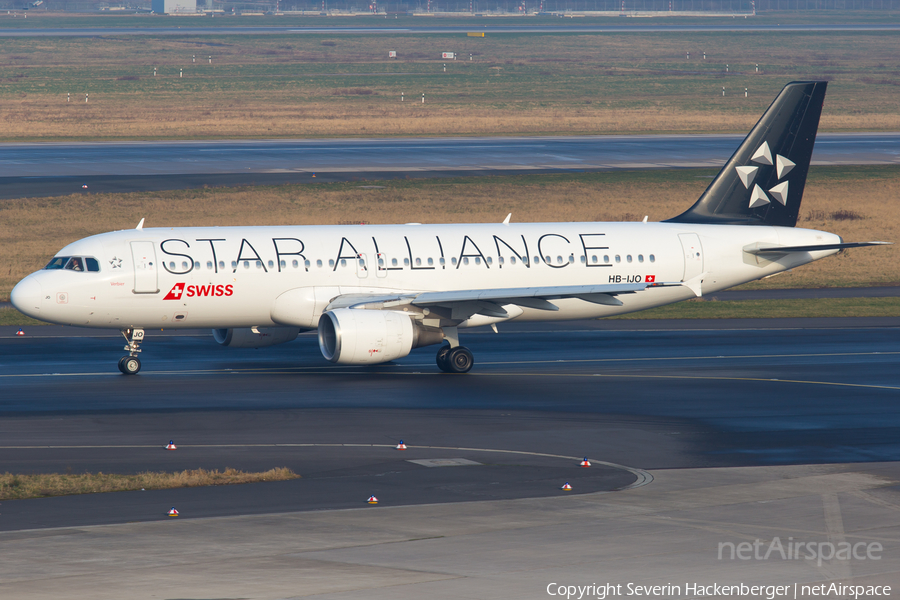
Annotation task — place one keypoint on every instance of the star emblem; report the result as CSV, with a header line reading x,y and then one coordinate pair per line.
x,y
783,166
116,263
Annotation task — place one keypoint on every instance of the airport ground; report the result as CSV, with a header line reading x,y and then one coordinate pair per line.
x,y
726,432
702,433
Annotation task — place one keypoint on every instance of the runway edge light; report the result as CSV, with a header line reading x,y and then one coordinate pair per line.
x,y
401,446
373,500
566,487
173,512
585,462
171,445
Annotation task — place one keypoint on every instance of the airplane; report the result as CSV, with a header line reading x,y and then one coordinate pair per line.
x,y
376,292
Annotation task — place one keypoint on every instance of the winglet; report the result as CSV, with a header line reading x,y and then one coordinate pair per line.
x,y
645,218
140,225
506,220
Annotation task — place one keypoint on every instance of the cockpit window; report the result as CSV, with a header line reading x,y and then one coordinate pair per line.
x,y
58,262
73,263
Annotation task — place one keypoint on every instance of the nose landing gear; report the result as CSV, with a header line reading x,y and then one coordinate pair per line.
x,y
131,364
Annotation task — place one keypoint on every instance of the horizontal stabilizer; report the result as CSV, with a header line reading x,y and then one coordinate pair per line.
x,y
813,248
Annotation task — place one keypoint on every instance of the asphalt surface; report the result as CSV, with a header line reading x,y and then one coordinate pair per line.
x,y
49,169
652,396
742,25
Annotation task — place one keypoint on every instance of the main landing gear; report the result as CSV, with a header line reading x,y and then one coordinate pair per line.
x,y
454,358
131,364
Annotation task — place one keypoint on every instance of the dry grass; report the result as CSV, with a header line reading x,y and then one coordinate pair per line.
x,y
15,487
32,230
290,86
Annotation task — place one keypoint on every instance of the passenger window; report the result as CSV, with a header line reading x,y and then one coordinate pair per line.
x,y
58,262
221,264
477,260
418,262
628,258
405,262
583,260
393,262
209,265
537,260
430,262
512,260
594,259
271,265
652,258
572,259
343,262
466,260
442,261
453,261
171,265
380,262
640,258
548,260
184,264
246,264
330,263
92,264
196,264
234,264
306,264
319,263
618,258
606,258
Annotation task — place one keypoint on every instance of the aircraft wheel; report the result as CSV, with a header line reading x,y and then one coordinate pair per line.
x,y
441,359
460,360
130,365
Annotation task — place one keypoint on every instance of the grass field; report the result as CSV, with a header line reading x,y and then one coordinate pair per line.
x,y
32,230
344,85
17,487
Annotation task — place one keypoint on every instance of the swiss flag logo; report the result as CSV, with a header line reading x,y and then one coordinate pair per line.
x,y
175,293
648,279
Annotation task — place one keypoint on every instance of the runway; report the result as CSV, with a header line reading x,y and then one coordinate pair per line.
x,y
648,397
49,169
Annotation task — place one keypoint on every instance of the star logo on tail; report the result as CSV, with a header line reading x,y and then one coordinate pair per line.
x,y
747,174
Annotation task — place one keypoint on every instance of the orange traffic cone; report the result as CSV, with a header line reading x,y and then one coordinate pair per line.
x,y
585,462
171,445
373,500
566,487
401,446
173,512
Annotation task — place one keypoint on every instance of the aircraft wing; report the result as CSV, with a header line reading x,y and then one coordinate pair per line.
x,y
463,304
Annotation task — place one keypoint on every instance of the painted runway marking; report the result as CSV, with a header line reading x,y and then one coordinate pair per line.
x,y
643,477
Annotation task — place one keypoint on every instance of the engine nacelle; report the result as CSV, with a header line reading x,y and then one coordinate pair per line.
x,y
350,336
256,337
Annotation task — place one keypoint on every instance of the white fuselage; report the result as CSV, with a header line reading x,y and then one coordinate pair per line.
x,y
229,277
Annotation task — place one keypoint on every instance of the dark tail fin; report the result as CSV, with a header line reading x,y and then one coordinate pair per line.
x,y
762,183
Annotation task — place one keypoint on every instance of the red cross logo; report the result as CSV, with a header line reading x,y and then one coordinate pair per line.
x,y
175,292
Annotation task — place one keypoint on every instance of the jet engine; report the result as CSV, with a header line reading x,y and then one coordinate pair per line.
x,y
255,337
350,336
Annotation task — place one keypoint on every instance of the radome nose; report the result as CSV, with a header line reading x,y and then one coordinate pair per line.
x,y
26,297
